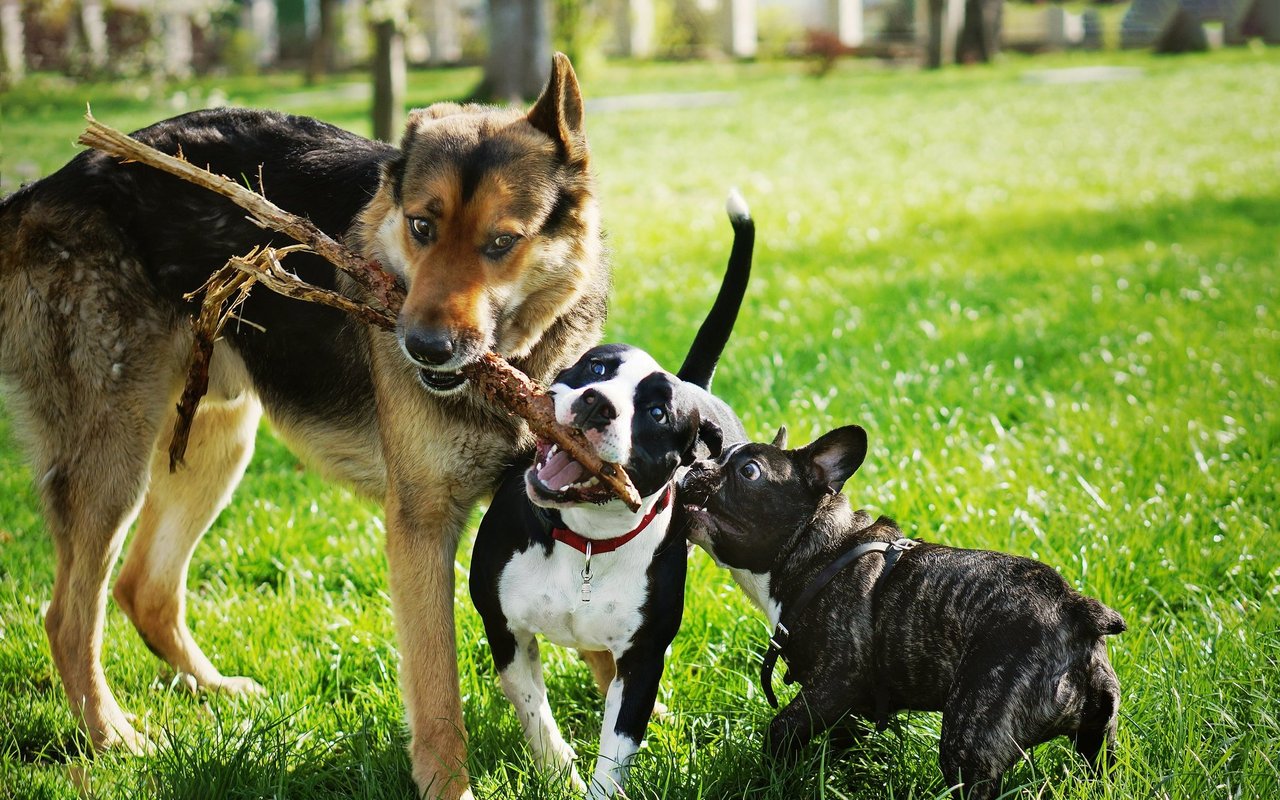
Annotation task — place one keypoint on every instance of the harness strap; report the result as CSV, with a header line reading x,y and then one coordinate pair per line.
x,y
791,615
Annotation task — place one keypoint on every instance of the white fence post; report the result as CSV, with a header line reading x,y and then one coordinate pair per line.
x,y
740,34
846,18
446,44
635,23
13,58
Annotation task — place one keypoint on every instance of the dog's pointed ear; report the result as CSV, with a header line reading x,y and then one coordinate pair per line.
x,y
780,438
835,456
558,112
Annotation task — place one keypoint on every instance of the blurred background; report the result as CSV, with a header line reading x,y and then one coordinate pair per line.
x,y
1047,285
158,40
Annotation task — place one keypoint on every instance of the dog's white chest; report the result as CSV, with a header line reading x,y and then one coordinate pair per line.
x,y
543,594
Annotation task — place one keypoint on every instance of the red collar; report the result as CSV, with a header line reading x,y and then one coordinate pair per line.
x,y
580,543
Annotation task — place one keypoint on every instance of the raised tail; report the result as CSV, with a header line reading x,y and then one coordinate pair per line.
x,y
700,364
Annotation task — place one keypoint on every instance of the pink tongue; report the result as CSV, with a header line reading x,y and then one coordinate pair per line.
x,y
560,471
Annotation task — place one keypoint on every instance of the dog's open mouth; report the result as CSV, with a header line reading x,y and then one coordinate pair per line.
x,y
556,477
702,522
441,381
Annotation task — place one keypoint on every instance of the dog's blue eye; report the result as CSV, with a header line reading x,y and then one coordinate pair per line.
x,y
422,229
658,413
597,367
750,470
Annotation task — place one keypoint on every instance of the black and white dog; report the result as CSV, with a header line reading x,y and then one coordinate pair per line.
x,y
554,556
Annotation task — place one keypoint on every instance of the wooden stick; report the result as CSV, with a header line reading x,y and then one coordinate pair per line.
x,y
380,284
228,288
511,389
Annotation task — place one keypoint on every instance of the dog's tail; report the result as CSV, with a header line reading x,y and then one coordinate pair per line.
x,y
1098,618
700,364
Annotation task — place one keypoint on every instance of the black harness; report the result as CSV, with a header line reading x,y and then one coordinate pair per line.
x,y
792,614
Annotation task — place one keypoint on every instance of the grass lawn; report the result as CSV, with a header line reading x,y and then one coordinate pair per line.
x,y
1055,308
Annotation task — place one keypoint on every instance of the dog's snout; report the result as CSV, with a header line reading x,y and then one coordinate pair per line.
x,y
429,347
593,411
698,481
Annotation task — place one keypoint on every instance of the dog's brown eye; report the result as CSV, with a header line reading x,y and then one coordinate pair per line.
x,y
422,229
658,413
750,470
501,244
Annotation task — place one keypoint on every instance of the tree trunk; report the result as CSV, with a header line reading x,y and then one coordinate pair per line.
x,y
933,44
980,37
519,50
322,58
388,80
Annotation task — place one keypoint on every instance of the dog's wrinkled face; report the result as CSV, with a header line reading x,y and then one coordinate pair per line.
x,y
747,506
489,218
631,411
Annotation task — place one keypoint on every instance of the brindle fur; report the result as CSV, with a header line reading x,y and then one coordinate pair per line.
x,y
94,337
1008,652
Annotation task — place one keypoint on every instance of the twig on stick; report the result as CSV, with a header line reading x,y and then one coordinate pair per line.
x,y
224,292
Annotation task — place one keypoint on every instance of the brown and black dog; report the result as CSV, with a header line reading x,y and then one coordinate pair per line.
x,y
489,218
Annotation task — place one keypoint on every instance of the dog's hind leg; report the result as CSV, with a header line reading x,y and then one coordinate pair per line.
x,y
602,666
91,457
1095,737
88,512
89,361
179,507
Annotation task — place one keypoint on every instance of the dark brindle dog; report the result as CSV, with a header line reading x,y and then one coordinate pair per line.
x,y
870,623
489,218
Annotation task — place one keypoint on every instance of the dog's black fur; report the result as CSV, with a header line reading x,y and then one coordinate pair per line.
x,y
312,168
1008,652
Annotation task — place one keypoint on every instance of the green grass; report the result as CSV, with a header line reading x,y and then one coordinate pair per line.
x,y
1056,310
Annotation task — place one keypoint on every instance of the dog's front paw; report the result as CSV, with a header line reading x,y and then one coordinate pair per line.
x,y
781,744
235,686
231,686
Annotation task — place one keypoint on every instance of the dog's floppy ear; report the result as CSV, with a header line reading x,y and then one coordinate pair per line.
x,y
558,112
780,438
835,456
709,434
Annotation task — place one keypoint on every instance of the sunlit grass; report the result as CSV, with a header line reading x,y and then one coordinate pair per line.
x,y
1054,308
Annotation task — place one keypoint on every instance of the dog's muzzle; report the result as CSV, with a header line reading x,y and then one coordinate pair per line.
x,y
431,349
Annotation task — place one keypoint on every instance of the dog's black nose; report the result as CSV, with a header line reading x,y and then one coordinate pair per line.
x,y
429,347
593,410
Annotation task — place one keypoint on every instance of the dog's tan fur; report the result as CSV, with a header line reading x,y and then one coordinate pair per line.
x,y
92,364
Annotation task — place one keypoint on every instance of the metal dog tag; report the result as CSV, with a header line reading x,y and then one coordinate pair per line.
x,y
586,576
